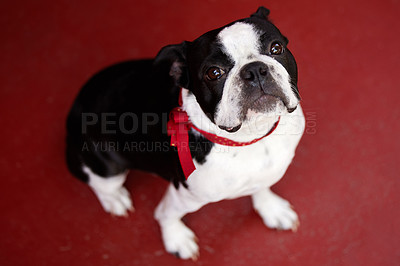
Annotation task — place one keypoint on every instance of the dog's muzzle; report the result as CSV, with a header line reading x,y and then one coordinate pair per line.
x,y
258,82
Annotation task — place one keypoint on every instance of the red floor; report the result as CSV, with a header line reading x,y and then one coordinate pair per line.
x,y
344,181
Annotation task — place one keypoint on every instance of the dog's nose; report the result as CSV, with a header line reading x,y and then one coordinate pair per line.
x,y
254,73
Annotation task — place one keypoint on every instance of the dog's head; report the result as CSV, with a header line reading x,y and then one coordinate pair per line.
x,y
237,71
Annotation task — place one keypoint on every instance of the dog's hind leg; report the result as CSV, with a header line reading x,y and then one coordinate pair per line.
x,y
104,172
113,196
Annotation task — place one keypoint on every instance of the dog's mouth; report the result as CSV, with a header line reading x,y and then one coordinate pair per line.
x,y
261,104
231,129
268,102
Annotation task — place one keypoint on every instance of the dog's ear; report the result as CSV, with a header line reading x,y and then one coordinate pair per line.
x,y
261,12
172,60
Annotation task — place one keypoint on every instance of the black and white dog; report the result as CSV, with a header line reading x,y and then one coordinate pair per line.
x,y
236,89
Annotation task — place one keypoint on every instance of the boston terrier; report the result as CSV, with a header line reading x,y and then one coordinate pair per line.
x,y
219,117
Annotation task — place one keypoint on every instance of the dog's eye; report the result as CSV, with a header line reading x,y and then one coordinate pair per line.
x,y
214,73
276,48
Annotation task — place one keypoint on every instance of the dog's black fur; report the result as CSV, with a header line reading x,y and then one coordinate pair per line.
x,y
133,87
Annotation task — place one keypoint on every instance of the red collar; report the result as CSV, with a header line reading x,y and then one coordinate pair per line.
x,y
227,142
178,127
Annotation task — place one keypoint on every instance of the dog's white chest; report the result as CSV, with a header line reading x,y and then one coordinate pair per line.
x,y
231,172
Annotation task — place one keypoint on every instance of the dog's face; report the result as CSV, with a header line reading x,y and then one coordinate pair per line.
x,y
238,71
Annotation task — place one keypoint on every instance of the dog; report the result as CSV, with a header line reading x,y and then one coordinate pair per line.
x,y
218,117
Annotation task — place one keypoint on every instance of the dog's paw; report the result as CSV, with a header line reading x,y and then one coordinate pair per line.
x,y
277,213
117,202
179,240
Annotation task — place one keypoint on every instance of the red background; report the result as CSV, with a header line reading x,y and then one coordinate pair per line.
x,y
344,181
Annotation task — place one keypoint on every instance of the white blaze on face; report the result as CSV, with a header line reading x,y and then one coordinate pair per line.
x,y
241,42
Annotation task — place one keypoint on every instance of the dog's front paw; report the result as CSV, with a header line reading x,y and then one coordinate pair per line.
x,y
276,212
179,240
117,202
